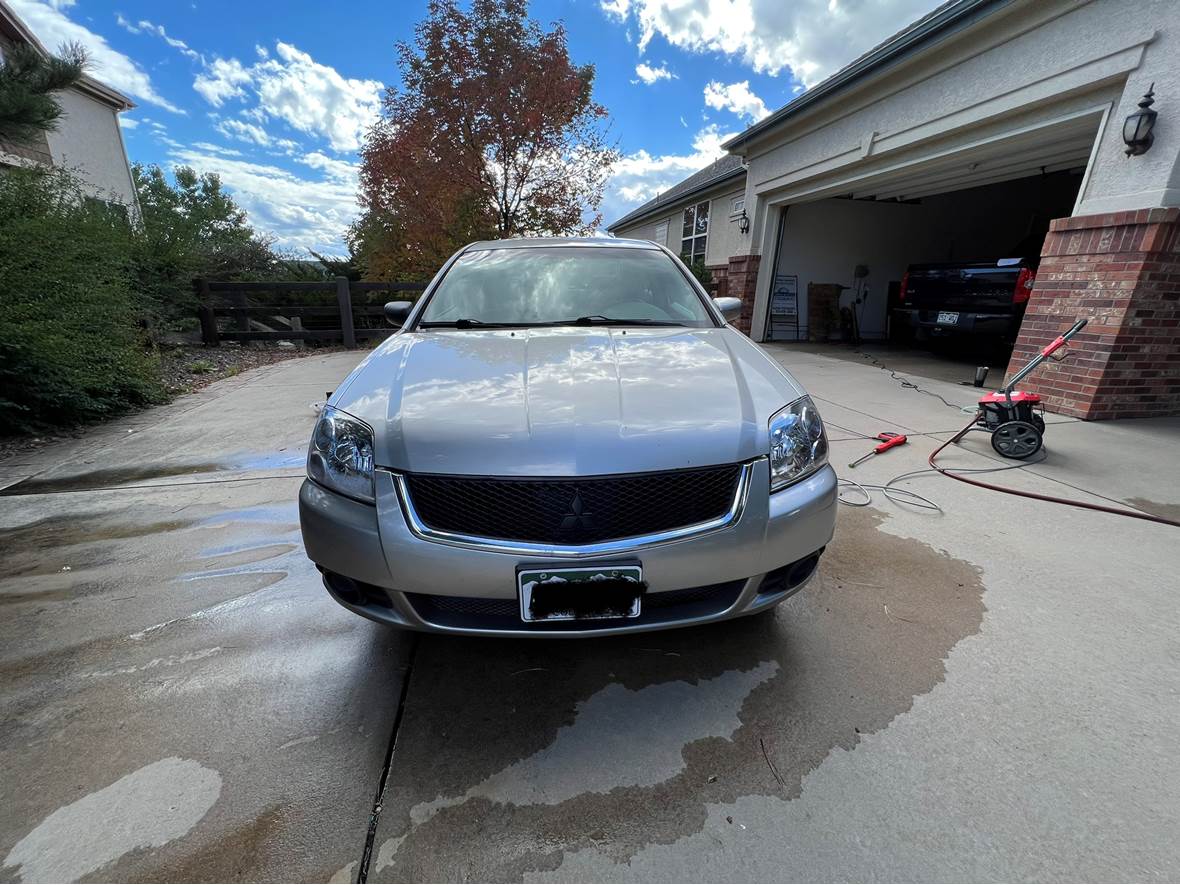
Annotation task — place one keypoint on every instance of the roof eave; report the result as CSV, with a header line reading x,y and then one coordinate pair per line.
x,y
951,20
639,215
104,93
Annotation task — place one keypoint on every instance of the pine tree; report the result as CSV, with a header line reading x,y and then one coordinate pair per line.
x,y
28,80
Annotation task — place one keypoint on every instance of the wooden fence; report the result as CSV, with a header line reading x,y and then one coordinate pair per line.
x,y
291,311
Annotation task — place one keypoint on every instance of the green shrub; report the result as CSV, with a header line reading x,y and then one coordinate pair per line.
x,y
71,349
703,274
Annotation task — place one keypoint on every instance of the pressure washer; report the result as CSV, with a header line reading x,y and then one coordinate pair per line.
x,y
1014,417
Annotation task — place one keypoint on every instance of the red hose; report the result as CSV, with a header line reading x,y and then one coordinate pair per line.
x,y
1069,502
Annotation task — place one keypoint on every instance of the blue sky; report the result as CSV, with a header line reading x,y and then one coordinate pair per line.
x,y
275,97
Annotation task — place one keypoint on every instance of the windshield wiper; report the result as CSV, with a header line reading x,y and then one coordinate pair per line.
x,y
600,320
474,324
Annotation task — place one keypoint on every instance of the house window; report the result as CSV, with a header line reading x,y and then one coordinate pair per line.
x,y
661,236
739,203
694,233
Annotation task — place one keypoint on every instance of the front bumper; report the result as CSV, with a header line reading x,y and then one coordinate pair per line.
x,y
983,324
375,565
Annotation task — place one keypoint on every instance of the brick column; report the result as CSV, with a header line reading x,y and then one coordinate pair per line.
x,y
741,279
1121,270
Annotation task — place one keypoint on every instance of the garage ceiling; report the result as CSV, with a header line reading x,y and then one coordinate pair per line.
x,y
1065,145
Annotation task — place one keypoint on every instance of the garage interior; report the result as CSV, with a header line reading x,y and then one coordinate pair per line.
x,y
985,203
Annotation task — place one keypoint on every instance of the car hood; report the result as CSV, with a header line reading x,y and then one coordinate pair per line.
x,y
566,401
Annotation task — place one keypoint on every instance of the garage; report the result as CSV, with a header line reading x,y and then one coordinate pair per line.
x,y
986,132
1002,224
984,198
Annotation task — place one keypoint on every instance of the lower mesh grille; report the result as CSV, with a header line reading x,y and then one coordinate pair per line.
x,y
504,614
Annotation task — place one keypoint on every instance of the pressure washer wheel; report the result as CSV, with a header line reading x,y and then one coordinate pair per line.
x,y
1017,439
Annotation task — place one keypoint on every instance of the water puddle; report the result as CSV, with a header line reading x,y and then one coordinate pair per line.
x,y
123,477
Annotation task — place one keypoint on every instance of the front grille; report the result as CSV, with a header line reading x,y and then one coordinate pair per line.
x,y
575,510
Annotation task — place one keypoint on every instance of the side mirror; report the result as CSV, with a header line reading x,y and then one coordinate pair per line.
x,y
731,308
397,311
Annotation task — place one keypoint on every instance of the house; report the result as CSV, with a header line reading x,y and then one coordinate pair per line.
x,y
88,139
984,128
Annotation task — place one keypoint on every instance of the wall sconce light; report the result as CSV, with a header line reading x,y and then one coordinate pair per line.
x,y
1138,125
744,221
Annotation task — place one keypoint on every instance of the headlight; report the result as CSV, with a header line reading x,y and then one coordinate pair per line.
x,y
341,455
798,445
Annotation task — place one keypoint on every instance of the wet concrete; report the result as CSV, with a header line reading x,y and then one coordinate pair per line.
x,y
983,693
522,752
181,699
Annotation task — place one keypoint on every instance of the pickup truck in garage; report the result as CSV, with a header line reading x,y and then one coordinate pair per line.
x,y
979,298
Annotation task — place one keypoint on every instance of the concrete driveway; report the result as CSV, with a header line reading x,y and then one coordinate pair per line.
x,y
989,692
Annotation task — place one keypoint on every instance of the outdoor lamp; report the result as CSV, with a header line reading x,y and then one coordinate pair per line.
x,y
1137,127
744,221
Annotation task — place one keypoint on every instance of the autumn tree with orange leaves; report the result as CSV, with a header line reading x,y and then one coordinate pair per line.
x,y
493,133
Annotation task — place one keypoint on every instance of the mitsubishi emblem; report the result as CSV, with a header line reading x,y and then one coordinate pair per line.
x,y
577,517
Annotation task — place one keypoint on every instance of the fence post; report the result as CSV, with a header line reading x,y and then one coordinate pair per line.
x,y
297,332
205,314
239,300
344,299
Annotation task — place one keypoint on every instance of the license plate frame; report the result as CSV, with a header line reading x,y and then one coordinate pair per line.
x,y
948,318
528,577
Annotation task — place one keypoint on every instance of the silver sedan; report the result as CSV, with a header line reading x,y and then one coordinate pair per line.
x,y
566,438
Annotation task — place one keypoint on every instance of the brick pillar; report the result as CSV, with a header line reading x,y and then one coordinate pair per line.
x,y
741,278
720,283
1121,270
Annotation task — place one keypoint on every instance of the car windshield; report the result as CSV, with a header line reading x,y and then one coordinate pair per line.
x,y
564,285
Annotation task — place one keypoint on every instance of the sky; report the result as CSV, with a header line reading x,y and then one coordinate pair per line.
x,y
276,97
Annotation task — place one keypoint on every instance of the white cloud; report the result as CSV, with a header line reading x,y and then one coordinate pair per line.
x,y
145,26
813,38
639,176
736,97
127,122
300,212
252,133
216,149
650,75
222,80
337,170
243,131
53,28
295,88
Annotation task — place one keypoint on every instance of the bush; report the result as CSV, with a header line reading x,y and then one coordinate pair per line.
x,y
703,274
70,347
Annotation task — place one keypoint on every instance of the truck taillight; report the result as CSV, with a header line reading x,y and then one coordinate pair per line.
x,y
1024,286
905,281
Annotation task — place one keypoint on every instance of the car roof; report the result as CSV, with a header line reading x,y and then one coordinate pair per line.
x,y
543,242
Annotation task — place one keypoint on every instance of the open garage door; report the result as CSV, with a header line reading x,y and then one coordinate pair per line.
x,y
987,202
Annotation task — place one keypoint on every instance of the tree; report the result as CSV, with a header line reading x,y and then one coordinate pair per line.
x,y
493,132
28,80
191,228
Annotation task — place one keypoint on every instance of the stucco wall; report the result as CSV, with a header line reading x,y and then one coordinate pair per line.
x,y
89,142
725,239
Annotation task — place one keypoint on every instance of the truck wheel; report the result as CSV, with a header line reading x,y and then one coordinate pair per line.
x,y
1016,439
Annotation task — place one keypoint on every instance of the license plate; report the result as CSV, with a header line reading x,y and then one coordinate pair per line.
x,y
574,594
948,317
